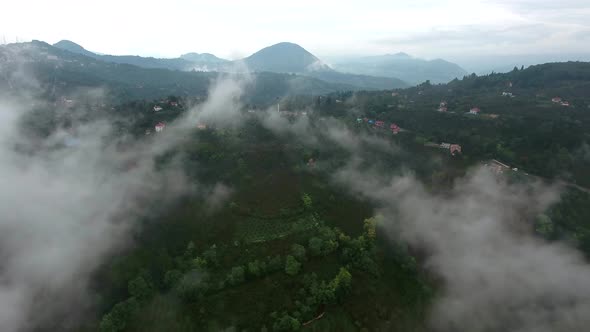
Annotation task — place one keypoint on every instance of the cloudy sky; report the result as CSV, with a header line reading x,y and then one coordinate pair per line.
x,y
232,29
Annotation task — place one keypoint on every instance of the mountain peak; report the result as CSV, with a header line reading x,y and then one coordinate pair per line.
x,y
400,55
70,46
202,57
285,57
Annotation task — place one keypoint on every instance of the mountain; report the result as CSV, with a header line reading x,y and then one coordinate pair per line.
x,y
61,72
278,58
202,57
284,58
485,64
73,47
292,58
402,66
363,81
146,62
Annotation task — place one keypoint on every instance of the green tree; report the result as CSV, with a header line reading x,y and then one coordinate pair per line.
x,y
544,225
342,281
140,288
210,256
292,266
236,276
307,202
118,318
171,278
298,251
286,323
315,245
254,268
370,227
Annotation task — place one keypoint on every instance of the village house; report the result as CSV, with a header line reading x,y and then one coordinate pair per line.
x,y
157,108
474,110
174,103
565,103
507,94
395,129
160,126
455,148
201,126
442,109
498,167
379,124
359,120
556,99
394,94
445,145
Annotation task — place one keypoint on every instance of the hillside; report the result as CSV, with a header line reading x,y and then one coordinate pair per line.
x,y
284,58
404,67
62,72
205,61
146,62
292,58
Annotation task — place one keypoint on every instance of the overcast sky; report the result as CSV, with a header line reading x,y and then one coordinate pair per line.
x,y
233,29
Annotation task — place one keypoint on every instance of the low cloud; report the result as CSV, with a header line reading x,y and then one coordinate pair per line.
x,y
497,275
72,199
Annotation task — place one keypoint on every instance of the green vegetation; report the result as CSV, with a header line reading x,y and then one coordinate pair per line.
x,y
290,249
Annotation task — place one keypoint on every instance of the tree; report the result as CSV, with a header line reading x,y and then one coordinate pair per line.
x,y
171,278
140,288
342,281
236,276
118,317
307,202
292,266
315,245
254,268
286,323
275,263
298,252
544,225
211,256
370,227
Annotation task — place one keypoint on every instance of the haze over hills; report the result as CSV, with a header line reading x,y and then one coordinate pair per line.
x,y
285,57
63,72
278,58
403,66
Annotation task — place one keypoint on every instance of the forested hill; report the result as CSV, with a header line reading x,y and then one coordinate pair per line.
x,y
62,72
284,58
535,119
402,66
558,75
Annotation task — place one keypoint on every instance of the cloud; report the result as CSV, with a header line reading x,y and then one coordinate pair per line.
x,y
497,275
71,200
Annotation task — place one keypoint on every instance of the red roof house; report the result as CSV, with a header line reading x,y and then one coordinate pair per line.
x,y
394,128
160,126
455,148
